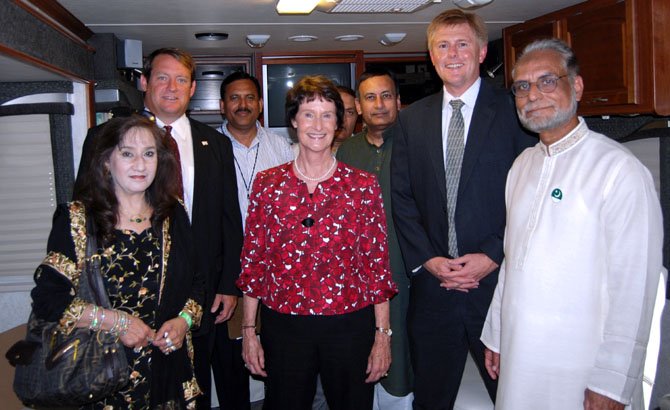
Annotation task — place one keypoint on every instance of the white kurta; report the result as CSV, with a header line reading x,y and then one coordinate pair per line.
x,y
583,249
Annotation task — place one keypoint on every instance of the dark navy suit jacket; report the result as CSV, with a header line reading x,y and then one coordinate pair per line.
x,y
418,183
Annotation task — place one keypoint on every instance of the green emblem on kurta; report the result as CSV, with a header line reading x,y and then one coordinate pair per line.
x,y
556,194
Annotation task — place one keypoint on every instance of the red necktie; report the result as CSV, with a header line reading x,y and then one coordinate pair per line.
x,y
172,144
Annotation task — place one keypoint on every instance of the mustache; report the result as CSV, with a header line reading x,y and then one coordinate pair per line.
x,y
243,110
381,112
534,106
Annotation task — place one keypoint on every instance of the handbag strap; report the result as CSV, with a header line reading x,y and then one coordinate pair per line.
x,y
90,283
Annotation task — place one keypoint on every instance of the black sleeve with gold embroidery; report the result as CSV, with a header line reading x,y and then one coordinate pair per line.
x,y
57,275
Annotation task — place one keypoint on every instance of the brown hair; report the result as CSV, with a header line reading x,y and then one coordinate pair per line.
x,y
180,55
97,193
310,88
454,17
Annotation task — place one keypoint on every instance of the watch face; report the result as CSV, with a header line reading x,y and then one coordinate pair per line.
x,y
385,331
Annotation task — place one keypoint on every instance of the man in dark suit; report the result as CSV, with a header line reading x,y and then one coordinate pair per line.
x,y
448,171
209,193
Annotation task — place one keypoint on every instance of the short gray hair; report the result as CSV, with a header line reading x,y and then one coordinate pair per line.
x,y
553,44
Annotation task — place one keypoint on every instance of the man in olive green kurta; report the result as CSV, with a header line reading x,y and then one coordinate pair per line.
x,y
378,102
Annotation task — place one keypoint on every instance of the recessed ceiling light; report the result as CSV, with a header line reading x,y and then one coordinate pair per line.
x,y
211,36
349,37
303,38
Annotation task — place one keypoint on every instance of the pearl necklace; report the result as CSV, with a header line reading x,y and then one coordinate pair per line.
x,y
317,179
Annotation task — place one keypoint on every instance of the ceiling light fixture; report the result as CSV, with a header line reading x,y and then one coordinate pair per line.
x,y
470,4
391,39
296,6
349,37
303,38
211,36
257,40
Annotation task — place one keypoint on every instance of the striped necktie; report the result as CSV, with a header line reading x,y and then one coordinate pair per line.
x,y
454,154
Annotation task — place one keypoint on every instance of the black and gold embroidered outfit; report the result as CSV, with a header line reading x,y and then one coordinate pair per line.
x,y
150,275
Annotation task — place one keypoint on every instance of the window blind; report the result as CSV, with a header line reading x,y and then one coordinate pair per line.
x,y
27,198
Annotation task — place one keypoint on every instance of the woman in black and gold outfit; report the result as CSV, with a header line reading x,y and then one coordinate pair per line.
x,y
147,265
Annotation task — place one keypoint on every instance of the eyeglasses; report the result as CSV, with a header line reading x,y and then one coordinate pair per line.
x,y
546,84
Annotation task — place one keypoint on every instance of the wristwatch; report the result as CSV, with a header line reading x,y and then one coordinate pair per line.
x,y
387,332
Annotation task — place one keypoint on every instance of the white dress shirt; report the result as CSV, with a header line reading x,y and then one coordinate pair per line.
x,y
469,97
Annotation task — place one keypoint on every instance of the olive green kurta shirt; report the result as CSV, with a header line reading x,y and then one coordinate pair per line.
x,y
359,153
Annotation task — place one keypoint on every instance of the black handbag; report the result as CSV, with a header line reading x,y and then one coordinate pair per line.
x,y
57,370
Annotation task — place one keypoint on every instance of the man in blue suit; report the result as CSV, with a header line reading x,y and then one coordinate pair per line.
x,y
450,160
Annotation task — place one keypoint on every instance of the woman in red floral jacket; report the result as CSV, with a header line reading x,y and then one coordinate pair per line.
x,y
315,255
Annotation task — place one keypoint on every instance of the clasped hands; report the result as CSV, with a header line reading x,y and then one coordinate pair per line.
x,y
169,338
462,273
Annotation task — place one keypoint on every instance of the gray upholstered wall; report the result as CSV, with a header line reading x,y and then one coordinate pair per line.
x,y
22,32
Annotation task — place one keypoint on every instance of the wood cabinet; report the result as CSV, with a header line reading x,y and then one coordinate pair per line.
x,y
622,47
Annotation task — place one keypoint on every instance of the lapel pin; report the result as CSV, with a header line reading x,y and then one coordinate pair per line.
x,y
204,143
556,195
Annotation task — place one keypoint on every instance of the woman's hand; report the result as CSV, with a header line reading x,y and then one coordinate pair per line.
x,y
138,334
170,337
379,360
252,353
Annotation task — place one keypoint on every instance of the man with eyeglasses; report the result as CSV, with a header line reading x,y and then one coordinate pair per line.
x,y
569,322
451,152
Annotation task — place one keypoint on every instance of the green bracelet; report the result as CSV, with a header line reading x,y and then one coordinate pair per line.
x,y
187,318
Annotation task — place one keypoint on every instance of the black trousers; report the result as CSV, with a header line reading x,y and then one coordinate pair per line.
x,y
230,375
297,348
203,347
443,327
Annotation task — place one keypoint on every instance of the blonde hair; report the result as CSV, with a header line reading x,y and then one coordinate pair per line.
x,y
454,17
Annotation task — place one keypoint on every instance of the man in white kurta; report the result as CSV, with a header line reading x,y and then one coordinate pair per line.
x,y
583,256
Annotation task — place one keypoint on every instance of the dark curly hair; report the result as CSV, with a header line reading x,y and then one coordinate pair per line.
x,y
310,88
97,193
